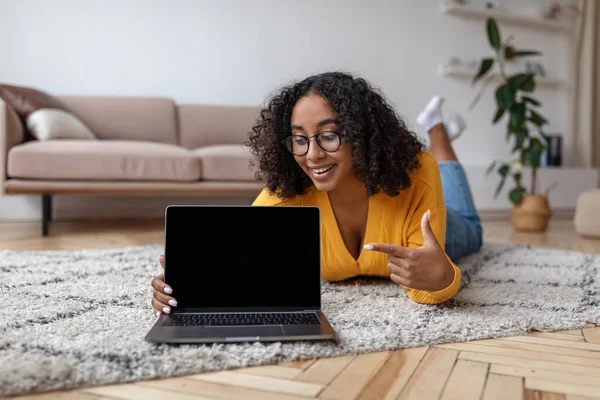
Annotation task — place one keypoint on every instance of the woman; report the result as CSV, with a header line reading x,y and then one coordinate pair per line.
x,y
388,207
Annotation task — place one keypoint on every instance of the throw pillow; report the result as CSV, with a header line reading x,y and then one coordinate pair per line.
x,y
47,123
28,101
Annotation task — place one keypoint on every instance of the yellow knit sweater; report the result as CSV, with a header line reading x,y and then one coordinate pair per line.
x,y
395,220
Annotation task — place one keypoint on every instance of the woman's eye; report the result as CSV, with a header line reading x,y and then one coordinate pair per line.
x,y
329,137
300,140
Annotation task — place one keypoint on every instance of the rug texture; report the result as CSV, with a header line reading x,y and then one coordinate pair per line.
x,y
74,319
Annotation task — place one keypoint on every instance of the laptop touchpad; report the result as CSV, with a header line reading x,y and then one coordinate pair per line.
x,y
241,331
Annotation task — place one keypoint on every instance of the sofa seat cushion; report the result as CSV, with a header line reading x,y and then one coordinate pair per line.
x,y
121,160
587,208
225,162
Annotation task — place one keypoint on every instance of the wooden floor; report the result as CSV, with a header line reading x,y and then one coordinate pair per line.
x,y
557,365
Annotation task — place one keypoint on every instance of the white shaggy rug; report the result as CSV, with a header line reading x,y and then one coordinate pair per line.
x,y
73,319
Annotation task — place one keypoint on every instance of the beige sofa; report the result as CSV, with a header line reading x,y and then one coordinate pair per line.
x,y
143,147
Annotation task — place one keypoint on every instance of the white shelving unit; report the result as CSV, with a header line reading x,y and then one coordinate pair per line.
x,y
467,73
469,11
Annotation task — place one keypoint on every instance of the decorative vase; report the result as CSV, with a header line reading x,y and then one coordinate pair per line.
x,y
532,214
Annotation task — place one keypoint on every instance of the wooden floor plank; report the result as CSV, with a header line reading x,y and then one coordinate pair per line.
x,y
325,370
61,395
555,335
576,332
137,392
545,374
429,379
412,359
272,371
503,387
215,390
299,364
542,348
573,397
531,355
560,387
261,383
592,335
466,381
529,394
394,374
555,342
351,381
523,362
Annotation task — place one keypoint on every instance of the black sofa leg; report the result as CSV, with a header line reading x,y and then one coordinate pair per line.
x,y
46,213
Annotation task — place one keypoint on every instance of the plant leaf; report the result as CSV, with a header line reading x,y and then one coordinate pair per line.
x,y
491,167
537,118
505,96
493,34
522,82
525,53
527,99
520,137
498,115
534,152
516,195
517,80
529,84
484,67
503,171
517,114
517,177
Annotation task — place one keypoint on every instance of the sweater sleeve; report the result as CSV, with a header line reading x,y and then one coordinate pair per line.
x,y
429,196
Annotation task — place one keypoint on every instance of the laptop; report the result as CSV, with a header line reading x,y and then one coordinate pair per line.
x,y
242,274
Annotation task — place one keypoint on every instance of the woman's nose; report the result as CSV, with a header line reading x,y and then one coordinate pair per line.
x,y
314,150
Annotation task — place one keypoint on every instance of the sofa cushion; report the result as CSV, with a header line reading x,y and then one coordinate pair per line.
x,y
44,116
102,160
205,125
26,100
126,118
48,124
228,162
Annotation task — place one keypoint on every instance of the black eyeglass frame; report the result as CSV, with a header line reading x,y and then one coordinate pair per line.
x,y
291,137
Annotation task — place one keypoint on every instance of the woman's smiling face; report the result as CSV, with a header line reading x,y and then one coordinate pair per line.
x,y
312,115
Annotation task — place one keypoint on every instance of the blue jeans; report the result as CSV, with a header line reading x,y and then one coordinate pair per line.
x,y
464,234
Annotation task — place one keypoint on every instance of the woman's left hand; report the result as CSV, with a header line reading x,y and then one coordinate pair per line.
x,y
424,268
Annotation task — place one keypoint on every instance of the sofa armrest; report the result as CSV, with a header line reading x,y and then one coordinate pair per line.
x,y
11,134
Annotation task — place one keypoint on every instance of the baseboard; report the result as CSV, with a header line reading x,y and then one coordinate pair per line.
x,y
504,215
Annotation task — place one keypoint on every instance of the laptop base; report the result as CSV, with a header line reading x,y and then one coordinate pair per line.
x,y
239,333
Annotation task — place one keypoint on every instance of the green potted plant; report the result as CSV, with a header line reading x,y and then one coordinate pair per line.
x,y
516,105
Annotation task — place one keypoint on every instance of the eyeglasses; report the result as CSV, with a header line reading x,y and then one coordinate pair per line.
x,y
329,141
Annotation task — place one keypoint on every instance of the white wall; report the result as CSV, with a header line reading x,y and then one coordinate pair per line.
x,y
237,51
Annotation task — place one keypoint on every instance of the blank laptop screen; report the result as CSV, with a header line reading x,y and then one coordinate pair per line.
x,y
243,256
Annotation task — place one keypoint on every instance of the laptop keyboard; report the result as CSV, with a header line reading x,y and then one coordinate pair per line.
x,y
242,319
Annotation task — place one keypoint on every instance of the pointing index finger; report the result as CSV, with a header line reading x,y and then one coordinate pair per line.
x,y
393,249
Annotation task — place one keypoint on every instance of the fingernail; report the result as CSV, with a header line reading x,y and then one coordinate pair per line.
x,y
428,215
157,313
166,310
368,247
173,303
168,290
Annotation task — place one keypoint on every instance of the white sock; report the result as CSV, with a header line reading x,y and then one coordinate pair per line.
x,y
431,114
455,126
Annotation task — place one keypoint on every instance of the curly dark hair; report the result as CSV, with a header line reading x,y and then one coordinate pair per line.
x,y
384,151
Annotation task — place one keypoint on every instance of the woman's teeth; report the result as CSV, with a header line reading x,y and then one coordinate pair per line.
x,y
322,170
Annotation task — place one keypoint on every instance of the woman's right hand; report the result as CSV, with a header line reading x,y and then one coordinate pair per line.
x,y
161,301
